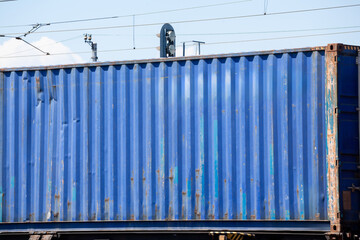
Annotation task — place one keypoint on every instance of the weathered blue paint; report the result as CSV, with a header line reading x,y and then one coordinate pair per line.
x,y
237,137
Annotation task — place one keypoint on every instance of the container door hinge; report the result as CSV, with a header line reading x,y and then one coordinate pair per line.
x,y
353,188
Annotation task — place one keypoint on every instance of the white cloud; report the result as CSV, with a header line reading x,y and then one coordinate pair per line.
x,y
12,49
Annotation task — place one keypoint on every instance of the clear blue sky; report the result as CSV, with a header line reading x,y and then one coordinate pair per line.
x,y
41,11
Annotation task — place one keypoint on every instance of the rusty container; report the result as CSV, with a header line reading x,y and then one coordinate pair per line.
x,y
259,141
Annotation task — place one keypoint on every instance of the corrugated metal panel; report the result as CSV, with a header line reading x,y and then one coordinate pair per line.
x,y
348,138
225,138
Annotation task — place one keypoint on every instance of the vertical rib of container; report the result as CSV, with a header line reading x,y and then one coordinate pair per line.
x,y
198,139
9,165
108,107
212,137
185,141
122,143
134,142
171,114
296,127
83,136
268,139
146,142
225,138
254,132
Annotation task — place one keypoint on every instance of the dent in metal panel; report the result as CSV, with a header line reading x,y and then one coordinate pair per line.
x,y
49,150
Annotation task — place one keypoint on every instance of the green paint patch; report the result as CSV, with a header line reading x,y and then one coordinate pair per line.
x,y
73,194
12,182
176,180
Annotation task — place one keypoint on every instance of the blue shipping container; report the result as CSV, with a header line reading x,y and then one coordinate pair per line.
x,y
182,143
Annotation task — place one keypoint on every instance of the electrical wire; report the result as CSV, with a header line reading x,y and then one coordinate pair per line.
x,y
21,39
84,52
51,44
277,38
235,33
131,15
264,32
193,20
211,43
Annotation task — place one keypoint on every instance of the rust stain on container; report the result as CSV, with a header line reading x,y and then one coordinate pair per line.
x,y
331,88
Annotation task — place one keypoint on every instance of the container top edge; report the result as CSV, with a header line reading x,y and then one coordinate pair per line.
x,y
158,60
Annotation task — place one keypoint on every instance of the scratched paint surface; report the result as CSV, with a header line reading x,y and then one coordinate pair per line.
x,y
238,137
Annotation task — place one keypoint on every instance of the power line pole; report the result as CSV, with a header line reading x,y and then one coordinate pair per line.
x,y
88,39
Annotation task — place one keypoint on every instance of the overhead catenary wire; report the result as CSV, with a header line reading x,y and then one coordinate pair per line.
x,y
286,37
64,40
193,20
23,35
19,38
209,43
83,52
264,32
237,33
131,15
